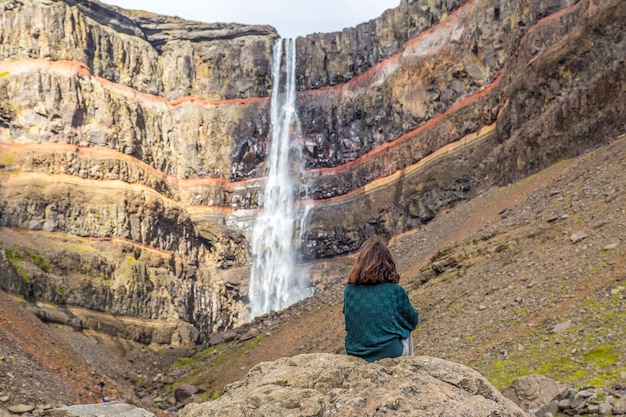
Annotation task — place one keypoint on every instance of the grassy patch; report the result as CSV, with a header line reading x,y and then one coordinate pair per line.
x,y
194,360
207,365
15,258
602,356
23,274
40,261
4,74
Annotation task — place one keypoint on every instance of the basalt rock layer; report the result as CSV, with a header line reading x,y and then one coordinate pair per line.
x,y
132,146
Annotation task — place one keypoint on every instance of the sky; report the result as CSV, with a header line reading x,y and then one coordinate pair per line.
x,y
291,18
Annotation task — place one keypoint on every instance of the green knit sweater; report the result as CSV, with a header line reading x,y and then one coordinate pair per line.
x,y
377,318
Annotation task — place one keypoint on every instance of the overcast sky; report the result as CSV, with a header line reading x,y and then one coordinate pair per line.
x,y
292,18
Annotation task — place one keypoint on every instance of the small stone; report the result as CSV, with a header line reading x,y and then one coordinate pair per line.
x,y
561,327
482,307
622,375
605,409
549,409
611,246
21,408
553,218
250,334
578,236
619,408
5,398
565,404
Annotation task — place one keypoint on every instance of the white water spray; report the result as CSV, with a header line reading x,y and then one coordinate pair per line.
x,y
275,282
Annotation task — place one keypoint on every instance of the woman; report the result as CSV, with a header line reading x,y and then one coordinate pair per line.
x,y
378,315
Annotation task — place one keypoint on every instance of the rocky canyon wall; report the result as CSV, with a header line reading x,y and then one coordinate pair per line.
x,y
132,145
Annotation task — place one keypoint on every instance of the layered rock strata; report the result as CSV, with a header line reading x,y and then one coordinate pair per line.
x,y
132,145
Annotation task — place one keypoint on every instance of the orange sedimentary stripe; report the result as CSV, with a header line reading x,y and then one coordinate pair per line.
x,y
22,179
228,102
100,152
384,67
549,18
96,239
360,81
69,68
468,140
396,143
450,23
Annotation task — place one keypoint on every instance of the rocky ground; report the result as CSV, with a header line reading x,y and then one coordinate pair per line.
x,y
526,278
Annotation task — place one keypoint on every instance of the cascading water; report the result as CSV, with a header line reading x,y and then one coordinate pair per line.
x,y
275,282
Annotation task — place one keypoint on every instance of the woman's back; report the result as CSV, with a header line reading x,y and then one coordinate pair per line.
x,y
377,318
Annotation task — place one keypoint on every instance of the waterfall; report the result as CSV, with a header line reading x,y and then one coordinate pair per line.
x,y
275,282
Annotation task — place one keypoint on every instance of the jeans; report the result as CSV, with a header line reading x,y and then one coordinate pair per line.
x,y
407,346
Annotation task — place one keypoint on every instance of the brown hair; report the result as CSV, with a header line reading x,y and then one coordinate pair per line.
x,y
373,265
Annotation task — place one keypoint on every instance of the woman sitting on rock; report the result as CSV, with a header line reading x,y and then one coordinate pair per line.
x,y
378,315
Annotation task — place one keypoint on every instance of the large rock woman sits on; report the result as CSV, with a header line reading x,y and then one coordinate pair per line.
x,y
328,384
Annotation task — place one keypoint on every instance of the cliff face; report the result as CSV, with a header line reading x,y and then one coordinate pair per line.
x,y
132,145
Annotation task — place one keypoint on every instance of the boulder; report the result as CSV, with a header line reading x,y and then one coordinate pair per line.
x,y
21,408
183,392
111,409
322,384
532,392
